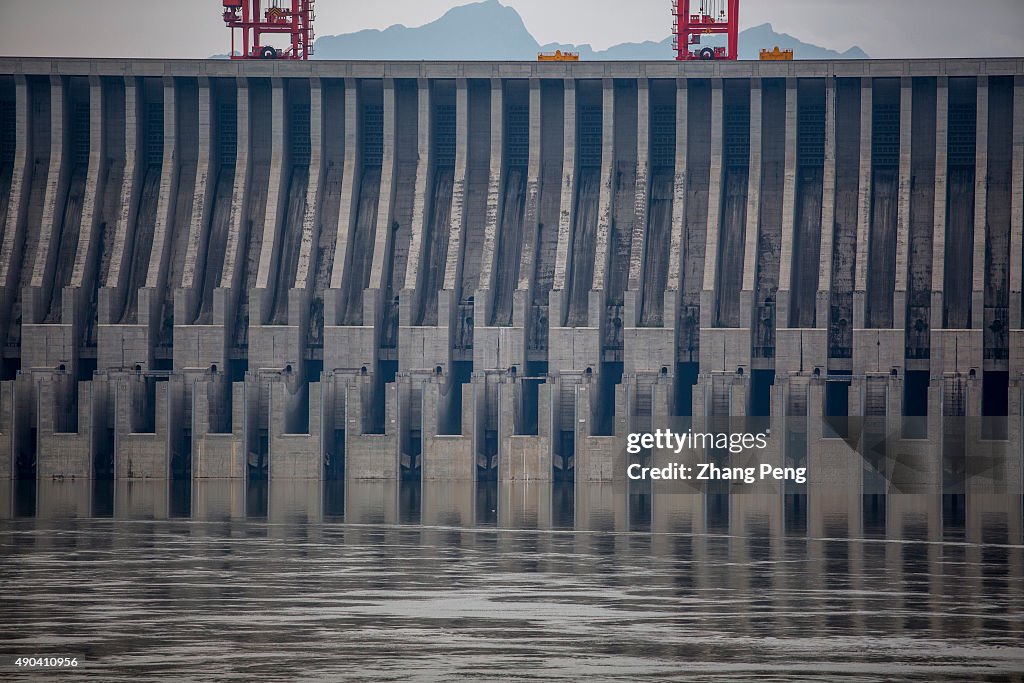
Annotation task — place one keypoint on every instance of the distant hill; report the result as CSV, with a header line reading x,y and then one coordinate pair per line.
x,y
489,30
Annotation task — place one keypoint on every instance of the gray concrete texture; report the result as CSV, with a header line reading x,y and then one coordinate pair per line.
x,y
216,269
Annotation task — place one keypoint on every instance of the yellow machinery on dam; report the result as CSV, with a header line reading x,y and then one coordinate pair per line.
x,y
285,269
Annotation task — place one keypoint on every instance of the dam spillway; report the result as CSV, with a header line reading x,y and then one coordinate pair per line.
x,y
370,270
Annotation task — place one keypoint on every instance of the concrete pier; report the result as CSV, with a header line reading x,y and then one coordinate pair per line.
x,y
463,271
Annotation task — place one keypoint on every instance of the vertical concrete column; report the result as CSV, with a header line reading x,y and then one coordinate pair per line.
x,y
903,207
457,218
788,205
494,185
42,278
201,205
978,274
595,313
939,216
863,205
637,267
350,186
707,299
565,214
271,222
226,295
529,254
418,202
1017,206
95,186
676,257
161,253
17,200
753,207
305,269
828,208
385,205
117,274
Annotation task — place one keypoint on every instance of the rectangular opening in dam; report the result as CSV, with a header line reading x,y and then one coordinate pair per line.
x,y
995,405
687,375
837,407
915,404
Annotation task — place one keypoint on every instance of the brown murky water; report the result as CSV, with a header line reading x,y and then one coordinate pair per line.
x,y
407,582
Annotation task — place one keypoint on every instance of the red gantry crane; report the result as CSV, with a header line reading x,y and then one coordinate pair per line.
x,y
293,17
712,17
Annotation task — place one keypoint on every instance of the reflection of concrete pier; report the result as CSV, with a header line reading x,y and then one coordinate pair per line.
x,y
496,271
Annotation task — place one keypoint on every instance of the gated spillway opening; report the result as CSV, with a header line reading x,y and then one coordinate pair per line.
x,y
26,243
733,218
999,202
438,202
516,157
545,237
224,152
958,282
589,143
151,153
658,238
330,190
359,255
68,208
698,178
255,204
469,264
768,245
885,161
844,235
810,160
922,220
294,189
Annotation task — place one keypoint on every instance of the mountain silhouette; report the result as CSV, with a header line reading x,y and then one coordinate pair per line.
x,y
490,31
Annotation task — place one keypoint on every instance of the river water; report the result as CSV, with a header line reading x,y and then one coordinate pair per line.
x,y
220,581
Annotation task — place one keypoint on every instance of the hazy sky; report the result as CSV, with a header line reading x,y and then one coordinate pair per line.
x,y
193,29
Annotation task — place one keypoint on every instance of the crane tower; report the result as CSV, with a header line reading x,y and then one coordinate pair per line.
x,y
291,17
709,18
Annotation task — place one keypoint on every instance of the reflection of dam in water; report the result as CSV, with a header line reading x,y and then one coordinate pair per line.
x,y
493,270
922,585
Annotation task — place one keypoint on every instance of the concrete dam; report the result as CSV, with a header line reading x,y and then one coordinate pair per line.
x,y
455,271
